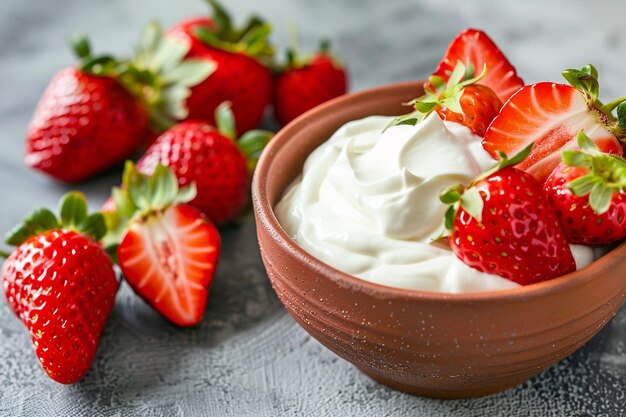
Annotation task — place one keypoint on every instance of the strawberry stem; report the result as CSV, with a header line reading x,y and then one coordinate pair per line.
x,y
610,106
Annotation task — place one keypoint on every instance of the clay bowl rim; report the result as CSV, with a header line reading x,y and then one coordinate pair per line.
x,y
268,220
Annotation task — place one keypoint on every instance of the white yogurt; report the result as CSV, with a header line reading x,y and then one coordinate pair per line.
x,y
367,203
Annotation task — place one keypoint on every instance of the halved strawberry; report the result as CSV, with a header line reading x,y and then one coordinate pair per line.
x,y
551,115
168,252
170,260
474,47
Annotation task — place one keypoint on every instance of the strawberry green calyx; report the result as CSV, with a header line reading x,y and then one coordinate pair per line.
x,y
160,77
73,215
295,60
251,144
250,39
100,65
157,76
141,195
585,80
469,197
441,94
607,174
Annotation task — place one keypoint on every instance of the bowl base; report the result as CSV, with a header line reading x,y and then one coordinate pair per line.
x,y
445,393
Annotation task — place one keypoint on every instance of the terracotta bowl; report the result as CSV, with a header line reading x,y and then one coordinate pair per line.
x,y
425,343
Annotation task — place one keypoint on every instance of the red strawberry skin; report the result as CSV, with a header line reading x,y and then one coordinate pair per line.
x,y
185,30
197,152
480,106
237,78
62,286
581,224
550,115
519,237
83,125
170,260
475,46
298,90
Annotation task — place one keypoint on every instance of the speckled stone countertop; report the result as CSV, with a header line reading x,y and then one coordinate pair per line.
x,y
249,358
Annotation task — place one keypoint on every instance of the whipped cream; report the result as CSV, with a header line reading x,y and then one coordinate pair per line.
x,y
367,203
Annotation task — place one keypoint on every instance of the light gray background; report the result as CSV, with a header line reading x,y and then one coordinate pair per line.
x,y
249,358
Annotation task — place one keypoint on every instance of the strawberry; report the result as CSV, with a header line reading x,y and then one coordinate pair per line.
x,y
167,250
503,224
551,115
213,159
240,77
188,27
476,50
307,82
61,284
588,192
95,115
461,100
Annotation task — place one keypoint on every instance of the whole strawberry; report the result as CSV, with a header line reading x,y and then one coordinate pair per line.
x,y
307,82
551,115
213,159
168,250
460,99
61,284
240,77
503,224
588,192
97,114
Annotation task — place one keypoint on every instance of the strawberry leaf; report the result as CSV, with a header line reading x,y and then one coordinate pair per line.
x,y
160,77
575,158
251,144
221,17
505,162
74,216
73,209
436,81
585,81
255,40
81,47
472,202
582,186
452,194
453,103
186,194
163,187
457,75
424,107
39,221
190,72
123,203
621,115
225,120
94,225
600,198
589,69
142,195
587,144
450,216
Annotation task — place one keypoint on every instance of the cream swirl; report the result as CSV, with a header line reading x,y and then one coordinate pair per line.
x,y
367,203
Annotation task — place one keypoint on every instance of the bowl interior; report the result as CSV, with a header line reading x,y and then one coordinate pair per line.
x,y
283,159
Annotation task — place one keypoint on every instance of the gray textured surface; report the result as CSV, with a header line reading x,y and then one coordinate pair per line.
x,y
249,357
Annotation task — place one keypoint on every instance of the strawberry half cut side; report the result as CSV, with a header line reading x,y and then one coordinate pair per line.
x,y
551,115
473,47
168,250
